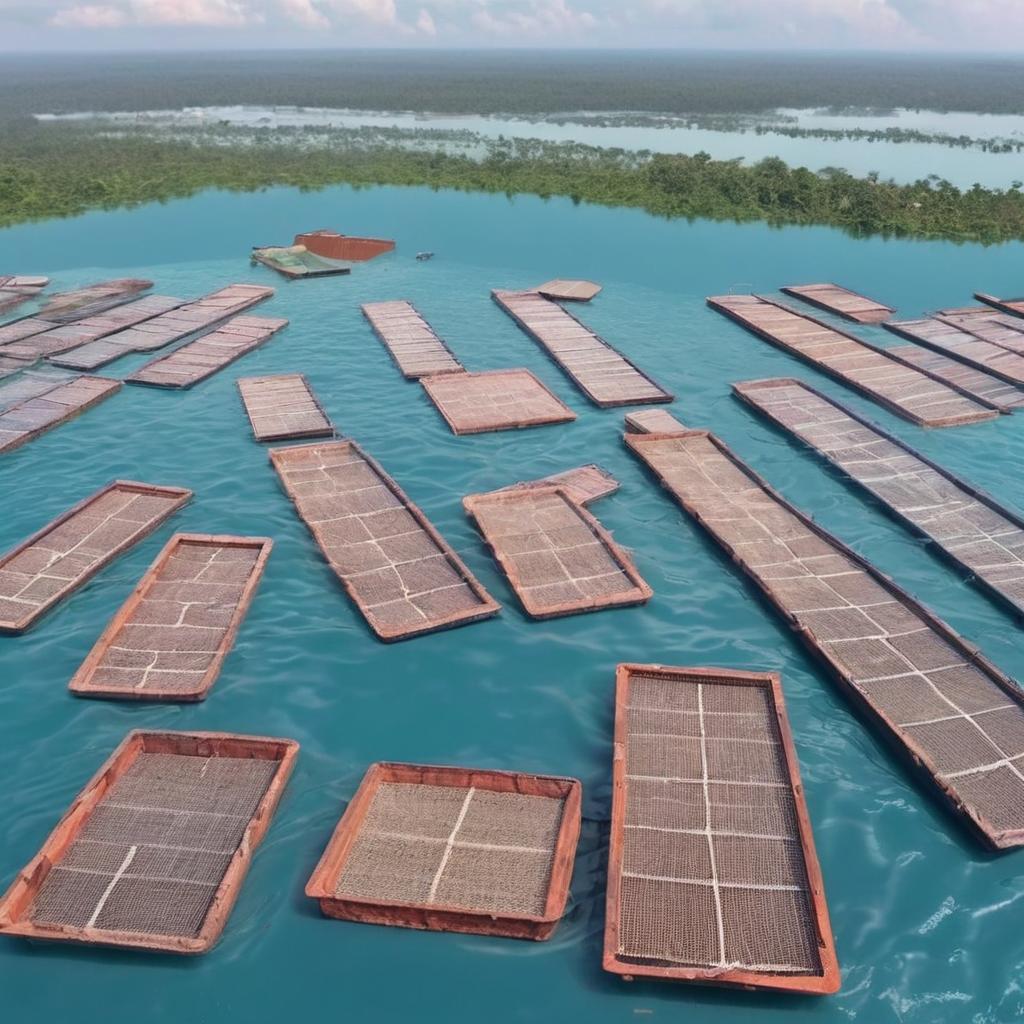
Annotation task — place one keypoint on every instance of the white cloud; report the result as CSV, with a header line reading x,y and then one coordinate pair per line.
x,y
305,13
535,18
425,23
212,13
377,12
89,16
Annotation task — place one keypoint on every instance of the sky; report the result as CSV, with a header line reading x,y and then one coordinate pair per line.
x,y
925,25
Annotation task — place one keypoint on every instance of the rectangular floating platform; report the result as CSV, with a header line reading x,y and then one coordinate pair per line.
x,y
283,407
562,290
10,366
969,527
65,337
62,307
712,872
414,346
168,641
167,328
397,569
601,372
202,358
835,299
583,485
474,403
70,550
1015,307
153,852
1005,397
64,401
18,288
911,393
557,557
296,262
18,330
952,715
653,421
30,384
453,850
964,346
1005,331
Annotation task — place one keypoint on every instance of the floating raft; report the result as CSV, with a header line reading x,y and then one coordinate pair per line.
x,y
64,337
396,568
969,527
602,373
94,298
416,348
474,403
712,872
583,485
1015,307
169,327
18,288
841,301
946,709
18,330
283,407
453,850
977,383
963,345
169,640
334,246
558,558
67,552
568,291
653,421
910,393
1005,331
203,357
65,400
30,384
153,852
296,261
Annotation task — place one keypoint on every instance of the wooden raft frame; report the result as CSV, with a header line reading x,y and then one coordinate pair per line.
x,y
829,979
182,495
849,382
18,899
488,606
440,917
1015,307
742,391
327,430
641,592
386,343
602,403
81,682
874,312
905,749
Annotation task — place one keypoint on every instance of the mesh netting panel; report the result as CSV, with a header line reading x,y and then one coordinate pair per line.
x,y
152,853
473,849
707,862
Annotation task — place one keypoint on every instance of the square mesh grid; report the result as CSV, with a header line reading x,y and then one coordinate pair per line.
x,y
922,683
398,570
713,873
152,854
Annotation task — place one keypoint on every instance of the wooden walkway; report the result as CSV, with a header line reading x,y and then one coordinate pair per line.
x,y
474,403
712,872
603,374
65,337
952,714
34,416
167,328
398,570
283,408
203,357
556,556
970,528
416,348
841,301
977,383
71,549
963,345
1015,307
169,640
909,393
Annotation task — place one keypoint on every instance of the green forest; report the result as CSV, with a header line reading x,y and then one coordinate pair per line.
x,y
66,168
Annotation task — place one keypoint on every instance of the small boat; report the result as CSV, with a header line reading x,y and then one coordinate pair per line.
x,y
424,255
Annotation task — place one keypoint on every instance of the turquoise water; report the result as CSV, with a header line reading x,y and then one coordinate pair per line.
x,y
927,925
